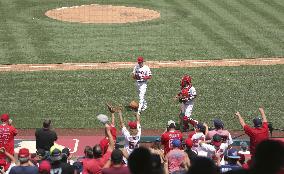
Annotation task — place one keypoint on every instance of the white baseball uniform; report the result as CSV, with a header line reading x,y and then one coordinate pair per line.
x,y
141,84
186,107
131,141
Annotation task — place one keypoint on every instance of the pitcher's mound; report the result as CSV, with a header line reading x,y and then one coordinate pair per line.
x,y
104,14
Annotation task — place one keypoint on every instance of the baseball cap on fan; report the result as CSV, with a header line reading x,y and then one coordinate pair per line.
x,y
218,124
24,153
233,154
5,117
217,140
132,124
140,59
257,122
176,143
171,122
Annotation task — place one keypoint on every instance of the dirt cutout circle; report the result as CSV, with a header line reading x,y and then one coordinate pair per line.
x,y
102,14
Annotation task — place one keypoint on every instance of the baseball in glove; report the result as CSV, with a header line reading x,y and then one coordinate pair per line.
x,y
134,105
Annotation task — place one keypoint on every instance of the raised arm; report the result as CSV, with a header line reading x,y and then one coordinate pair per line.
x,y
110,138
206,129
241,120
261,110
11,157
121,119
112,119
138,118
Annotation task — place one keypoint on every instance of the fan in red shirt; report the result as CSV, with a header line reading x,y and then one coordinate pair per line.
x,y
259,133
7,133
104,143
168,136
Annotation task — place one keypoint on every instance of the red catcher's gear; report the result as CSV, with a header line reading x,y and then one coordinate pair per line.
x,y
186,80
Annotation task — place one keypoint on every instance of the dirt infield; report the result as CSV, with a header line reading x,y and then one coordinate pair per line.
x,y
151,64
102,14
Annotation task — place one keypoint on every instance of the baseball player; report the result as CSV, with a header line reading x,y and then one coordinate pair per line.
x,y
132,135
141,73
186,97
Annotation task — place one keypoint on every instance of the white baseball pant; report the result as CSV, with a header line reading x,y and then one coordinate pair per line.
x,y
186,108
142,87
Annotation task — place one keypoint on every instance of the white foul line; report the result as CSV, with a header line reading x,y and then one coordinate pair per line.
x,y
41,66
267,60
200,62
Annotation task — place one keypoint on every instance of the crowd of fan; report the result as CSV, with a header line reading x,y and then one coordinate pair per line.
x,y
204,151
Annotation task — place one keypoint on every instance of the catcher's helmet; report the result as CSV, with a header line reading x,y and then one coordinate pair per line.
x,y
186,80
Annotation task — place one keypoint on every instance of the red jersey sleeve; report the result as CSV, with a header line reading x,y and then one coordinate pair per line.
x,y
105,158
164,138
248,130
14,131
265,125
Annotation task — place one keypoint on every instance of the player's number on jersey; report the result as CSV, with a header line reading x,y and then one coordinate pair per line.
x,y
133,145
171,143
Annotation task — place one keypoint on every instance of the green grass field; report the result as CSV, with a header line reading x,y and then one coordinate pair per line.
x,y
187,29
74,98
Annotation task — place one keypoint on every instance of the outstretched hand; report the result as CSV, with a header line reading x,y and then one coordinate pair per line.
x,y
261,110
237,114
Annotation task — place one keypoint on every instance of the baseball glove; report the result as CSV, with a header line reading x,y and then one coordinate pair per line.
x,y
102,118
113,109
137,77
133,104
110,108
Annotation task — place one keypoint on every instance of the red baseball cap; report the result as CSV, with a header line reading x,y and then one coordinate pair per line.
x,y
44,166
5,117
24,153
132,124
189,143
140,59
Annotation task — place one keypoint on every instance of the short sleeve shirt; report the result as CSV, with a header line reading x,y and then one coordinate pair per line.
x,y
24,170
94,166
256,135
131,141
7,134
168,137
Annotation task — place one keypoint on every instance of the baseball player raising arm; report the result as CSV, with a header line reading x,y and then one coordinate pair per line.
x,y
141,73
131,135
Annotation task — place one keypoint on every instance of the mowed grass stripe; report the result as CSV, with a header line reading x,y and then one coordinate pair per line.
x,y
194,40
271,37
274,5
9,46
74,98
265,15
231,26
222,45
264,41
279,2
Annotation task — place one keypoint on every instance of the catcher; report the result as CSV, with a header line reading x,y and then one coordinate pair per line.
x,y
186,97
